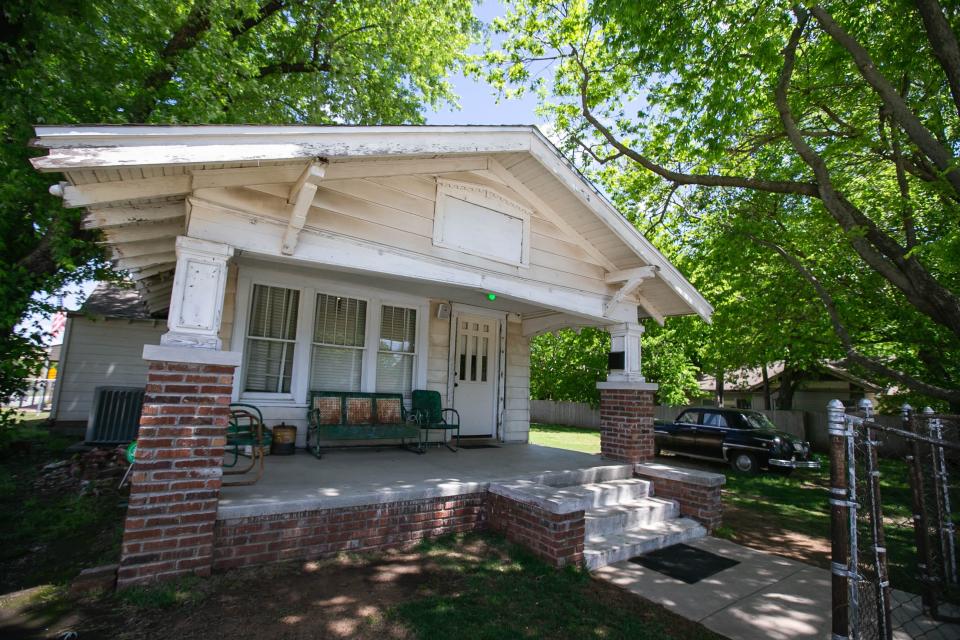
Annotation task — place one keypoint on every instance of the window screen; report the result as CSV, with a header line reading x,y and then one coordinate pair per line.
x,y
397,350
271,333
339,337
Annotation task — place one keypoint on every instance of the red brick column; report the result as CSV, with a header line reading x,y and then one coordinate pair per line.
x,y
626,421
175,483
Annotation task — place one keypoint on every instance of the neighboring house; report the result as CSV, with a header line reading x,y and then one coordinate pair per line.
x,y
295,258
102,346
744,388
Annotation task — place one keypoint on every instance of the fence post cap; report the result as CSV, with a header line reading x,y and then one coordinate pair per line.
x,y
927,411
906,408
835,405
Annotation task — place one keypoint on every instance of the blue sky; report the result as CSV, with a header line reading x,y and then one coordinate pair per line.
x,y
478,100
478,105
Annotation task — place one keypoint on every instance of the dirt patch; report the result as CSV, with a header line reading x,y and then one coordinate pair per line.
x,y
752,529
474,587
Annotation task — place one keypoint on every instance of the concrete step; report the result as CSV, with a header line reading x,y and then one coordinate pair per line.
x,y
575,497
629,515
602,550
602,494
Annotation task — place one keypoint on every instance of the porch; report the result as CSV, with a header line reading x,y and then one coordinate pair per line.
x,y
375,475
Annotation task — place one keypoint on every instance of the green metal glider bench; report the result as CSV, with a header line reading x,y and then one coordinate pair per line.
x,y
355,415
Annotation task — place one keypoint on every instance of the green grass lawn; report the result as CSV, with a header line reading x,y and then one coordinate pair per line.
x,y
573,438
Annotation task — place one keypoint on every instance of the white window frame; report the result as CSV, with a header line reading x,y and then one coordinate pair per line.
x,y
366,334
488,198
417,345
310,284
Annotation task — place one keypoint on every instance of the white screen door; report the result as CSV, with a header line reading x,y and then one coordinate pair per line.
x,y
475,374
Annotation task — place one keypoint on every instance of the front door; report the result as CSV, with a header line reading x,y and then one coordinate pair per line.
x,y
475,374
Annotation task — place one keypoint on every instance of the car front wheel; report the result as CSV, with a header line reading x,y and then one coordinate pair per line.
x,y
744,462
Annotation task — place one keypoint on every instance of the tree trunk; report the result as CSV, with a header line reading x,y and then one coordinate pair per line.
x,y
788,384
766,387
718,396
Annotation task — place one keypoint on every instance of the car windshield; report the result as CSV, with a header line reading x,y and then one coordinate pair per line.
x,y
758,421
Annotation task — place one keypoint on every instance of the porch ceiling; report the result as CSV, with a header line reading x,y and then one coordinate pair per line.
x,y
351,477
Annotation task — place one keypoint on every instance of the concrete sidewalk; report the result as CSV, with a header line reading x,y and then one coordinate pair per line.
x,y
765,596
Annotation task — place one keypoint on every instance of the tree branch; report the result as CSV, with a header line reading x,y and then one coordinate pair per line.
x,y
198,22
944,44
884,254
706,180
897,107
877,367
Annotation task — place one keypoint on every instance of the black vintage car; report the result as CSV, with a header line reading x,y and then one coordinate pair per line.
x,y
747,440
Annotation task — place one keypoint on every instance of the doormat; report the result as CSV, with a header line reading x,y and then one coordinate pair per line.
x,y
479,446
686,563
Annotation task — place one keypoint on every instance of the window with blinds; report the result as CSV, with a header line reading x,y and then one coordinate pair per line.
x,y
339,338
271,335
396,350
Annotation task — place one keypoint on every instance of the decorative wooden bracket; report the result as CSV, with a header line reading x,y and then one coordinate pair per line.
x,y
301,197
631,279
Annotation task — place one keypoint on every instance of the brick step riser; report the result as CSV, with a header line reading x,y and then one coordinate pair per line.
x,y
637,517
594,559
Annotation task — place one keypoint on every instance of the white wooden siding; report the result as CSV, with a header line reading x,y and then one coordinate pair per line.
x,y
100,353
398,212
515,426
438,354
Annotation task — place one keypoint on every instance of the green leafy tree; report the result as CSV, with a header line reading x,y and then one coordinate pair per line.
x,y
799,160
176,61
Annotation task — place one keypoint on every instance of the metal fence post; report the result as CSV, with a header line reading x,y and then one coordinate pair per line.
x,y
919,514
884,599
839,519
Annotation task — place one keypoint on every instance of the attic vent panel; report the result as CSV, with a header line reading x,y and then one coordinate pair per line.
x,y
478,220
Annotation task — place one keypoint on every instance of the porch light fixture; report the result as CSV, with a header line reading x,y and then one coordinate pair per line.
x,y
491,297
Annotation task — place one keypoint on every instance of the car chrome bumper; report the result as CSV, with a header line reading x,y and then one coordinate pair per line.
x,y
794,464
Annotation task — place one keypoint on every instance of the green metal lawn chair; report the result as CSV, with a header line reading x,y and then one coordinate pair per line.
x,y
428,413
245,430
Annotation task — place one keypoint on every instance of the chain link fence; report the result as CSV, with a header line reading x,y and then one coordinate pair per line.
x,y
895,551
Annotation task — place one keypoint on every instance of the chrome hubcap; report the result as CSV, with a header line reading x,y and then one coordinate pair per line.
x,y
744,463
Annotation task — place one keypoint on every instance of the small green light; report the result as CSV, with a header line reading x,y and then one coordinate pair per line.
x,y
491,297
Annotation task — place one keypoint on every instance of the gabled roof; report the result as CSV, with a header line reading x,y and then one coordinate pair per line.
x,y
111,300
751,379
161,164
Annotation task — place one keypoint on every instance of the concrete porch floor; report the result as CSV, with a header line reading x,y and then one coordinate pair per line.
x,y
349,477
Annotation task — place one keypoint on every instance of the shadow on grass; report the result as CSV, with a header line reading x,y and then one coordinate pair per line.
x,y
459,587
507,592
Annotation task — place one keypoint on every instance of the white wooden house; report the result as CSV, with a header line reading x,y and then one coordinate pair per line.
x,y
429,243
385,258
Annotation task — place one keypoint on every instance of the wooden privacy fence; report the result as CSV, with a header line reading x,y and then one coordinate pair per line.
x,y
574,414
580,414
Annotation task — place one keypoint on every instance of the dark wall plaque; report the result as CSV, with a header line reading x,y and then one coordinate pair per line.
x,y
616,360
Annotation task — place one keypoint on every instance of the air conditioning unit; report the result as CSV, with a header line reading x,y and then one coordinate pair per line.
x,y
115,415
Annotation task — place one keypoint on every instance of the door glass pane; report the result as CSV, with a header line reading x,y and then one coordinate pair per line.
x,y
483,359
462,355
473,358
